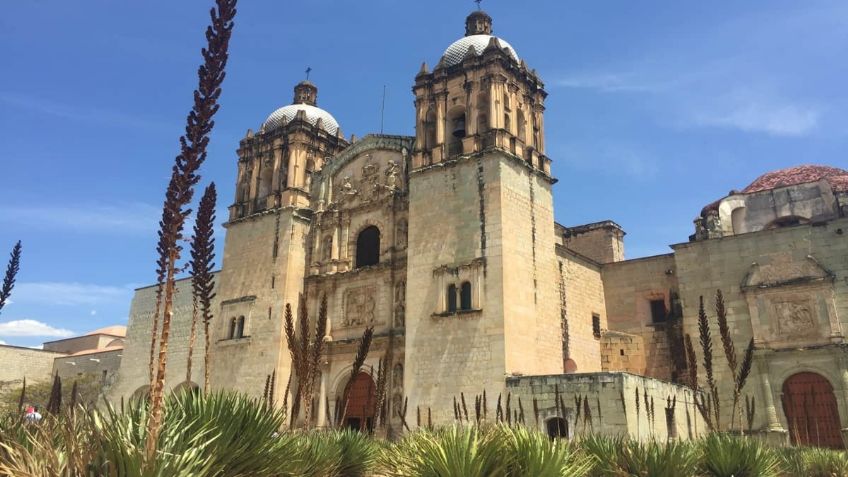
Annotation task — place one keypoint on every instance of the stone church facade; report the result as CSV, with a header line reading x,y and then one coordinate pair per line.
x,y
446,244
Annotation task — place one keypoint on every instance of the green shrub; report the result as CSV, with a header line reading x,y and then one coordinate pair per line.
x,y
724,455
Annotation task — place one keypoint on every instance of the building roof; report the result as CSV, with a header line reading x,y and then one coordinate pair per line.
x,y
838,178
790,176
313,113
114,330
454,54
107,349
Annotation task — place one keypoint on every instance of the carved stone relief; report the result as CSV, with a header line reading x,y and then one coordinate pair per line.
x,y
795,318
400,304
360,305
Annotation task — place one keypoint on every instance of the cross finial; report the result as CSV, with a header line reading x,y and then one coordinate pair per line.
x,y
478,4
308,70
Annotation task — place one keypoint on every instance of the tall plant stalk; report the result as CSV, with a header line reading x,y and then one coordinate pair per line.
x,y
184,177
202,280
706,340
12,270
739,373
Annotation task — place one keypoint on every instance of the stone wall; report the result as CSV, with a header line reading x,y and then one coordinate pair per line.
x,y
584,300
133,374
611,399
629,287
622,352
19,362
602,242
788,289
104,364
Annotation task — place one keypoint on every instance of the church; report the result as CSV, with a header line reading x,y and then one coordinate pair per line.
x,y
445,243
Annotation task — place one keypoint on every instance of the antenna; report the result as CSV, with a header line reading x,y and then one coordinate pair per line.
x,y
382,109
308,70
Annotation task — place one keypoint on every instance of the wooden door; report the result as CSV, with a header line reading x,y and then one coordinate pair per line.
x,y
811,411
361,403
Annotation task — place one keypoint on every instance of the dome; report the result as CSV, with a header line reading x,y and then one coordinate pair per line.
x,y
838,178
312,113
456,52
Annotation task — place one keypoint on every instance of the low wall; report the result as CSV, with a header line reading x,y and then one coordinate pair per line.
x,y
664,410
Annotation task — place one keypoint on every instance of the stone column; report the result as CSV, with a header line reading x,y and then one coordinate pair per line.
x,y
322,397
275,181
774,432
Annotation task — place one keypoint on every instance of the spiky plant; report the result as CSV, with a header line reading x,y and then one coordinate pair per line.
x,y
54,404
706,340
22,398
12,270
202,280
313,366
380,392
750,412
738,373
725,455
532,454
184,177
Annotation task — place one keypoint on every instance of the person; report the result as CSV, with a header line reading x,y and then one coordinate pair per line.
x,y
32,414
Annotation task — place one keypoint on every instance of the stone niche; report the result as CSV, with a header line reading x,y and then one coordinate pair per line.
x,y
791,303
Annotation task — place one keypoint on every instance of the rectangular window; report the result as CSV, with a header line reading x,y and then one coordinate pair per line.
x,y
658,311
596,326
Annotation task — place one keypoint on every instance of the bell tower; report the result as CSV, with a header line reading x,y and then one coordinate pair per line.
x,y
481,301
479,96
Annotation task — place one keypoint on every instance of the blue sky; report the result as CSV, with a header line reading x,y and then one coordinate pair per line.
x,y
655,108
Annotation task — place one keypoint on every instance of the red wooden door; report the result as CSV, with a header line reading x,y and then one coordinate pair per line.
x,y
810,408
361,403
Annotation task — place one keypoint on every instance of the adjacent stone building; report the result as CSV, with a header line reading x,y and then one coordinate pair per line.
x,y
445,243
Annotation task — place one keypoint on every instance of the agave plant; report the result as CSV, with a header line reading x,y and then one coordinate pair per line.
x,y
617,456
815,462
532,454
724,455
453,451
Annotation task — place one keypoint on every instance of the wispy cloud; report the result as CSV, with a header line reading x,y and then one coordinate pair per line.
x,y
2,342
70,294
32,328
609,83
757,114
119,219
57,109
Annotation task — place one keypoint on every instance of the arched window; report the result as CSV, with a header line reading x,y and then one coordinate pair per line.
x,y
327,248
310,169
465,296
430,129
240,327
368,247
556,427
506,122
232,333
456,129
522,126
451,298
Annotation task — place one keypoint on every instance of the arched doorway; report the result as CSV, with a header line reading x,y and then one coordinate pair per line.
x,y
368,247
361,403
811,412
556,427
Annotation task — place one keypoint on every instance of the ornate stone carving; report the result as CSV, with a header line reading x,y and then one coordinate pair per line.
x,y
347,189
397,378
393,176
360,304
795,318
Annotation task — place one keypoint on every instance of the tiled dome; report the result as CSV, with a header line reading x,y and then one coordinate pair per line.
x,y
313,114
838,178
456,52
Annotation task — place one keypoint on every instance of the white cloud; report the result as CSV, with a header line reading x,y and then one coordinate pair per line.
x,y
32,328
2,342
71,293
609,83
762,115
126,218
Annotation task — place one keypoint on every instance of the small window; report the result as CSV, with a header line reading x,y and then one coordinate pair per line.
x,y
368,247
232,333
240,328
451,298
658,312
465,296
596,326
